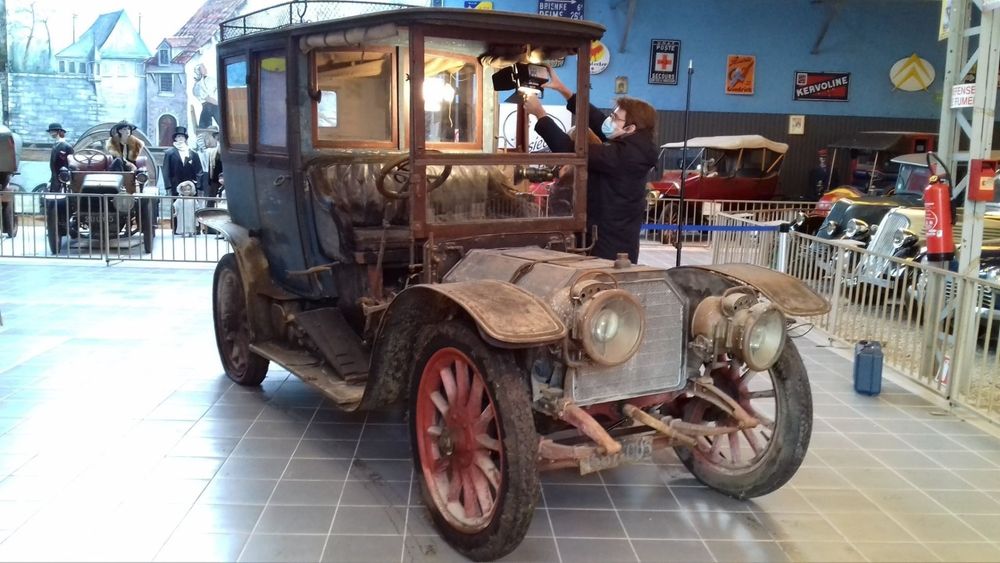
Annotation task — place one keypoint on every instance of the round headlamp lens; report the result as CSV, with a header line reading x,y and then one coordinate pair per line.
x,y
831,227
855,227
763,337
612,325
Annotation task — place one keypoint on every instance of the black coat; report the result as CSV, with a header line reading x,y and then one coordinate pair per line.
x,y
617,171
58,159
176,170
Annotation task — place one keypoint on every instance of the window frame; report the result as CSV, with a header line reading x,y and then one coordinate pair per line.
x,y
477,144
254,75
222,84
165,77
393,141
163,56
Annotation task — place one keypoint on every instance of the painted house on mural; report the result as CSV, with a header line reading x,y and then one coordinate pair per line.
x,y
111,55
170,72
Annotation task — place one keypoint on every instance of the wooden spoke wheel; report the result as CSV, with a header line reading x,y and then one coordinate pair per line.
x,y
232,325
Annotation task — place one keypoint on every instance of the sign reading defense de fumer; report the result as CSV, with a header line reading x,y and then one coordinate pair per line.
x,y
822,86
572,9
663,56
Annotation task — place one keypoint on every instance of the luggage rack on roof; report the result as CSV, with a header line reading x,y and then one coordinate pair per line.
x,y
299,12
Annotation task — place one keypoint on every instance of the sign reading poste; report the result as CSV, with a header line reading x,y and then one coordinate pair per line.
x,y
822,86
663,56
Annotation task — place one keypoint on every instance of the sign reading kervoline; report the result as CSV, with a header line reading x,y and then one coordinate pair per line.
x,y
822,86
572,9
663,57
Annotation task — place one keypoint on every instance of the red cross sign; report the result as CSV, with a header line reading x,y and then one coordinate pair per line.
x,y
665,62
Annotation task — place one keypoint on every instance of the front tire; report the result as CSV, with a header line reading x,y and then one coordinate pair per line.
x,y
756,461
474,441
232,325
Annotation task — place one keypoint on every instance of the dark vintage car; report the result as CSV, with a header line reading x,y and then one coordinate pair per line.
x,y
100,207
10,156
853,218
384,255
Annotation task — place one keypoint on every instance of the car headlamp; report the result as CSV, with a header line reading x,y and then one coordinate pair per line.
x,y
800,218
141,177
903,238
856,228
64,175
611,326
760,336
831,228
992,274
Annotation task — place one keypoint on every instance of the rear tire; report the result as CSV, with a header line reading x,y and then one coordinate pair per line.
x,y
719,461
474,442
232,325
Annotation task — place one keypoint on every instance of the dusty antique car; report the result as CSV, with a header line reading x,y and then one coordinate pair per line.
x,y
10,155
384,256
99,206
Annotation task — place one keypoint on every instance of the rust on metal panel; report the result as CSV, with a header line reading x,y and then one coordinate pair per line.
x,y
582,420
788,294
505,312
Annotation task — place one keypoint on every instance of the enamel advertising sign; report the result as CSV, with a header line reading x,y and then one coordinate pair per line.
x,y
663,56
822,86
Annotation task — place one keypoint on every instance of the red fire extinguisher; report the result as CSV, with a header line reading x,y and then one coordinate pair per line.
x,y
937,205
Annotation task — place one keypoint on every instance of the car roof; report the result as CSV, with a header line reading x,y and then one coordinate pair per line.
x,y
920,158
731,142
877,140
274,21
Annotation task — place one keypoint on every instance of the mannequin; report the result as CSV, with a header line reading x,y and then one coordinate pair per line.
x,y
180,163
124,147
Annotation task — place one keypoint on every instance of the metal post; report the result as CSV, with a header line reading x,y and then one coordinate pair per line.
x,y
684,149
783,242
838,282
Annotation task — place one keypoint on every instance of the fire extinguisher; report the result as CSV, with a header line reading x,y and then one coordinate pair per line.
x,y
937,206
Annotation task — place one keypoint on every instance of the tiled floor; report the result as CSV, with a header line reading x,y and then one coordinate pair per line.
x,y
120,439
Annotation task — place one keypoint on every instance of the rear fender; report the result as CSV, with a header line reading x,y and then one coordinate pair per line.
x,y
505,315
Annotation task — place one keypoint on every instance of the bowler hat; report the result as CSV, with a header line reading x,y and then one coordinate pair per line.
x,y
181,131
55,127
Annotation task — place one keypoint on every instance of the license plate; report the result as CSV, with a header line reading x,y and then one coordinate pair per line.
x,y
639,448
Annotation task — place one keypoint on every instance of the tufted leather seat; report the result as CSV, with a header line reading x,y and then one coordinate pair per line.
x,y
99,162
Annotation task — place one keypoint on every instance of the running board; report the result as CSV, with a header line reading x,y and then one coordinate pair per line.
x,y
313,371
338,343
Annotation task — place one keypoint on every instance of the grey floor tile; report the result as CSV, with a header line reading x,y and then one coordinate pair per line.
x,y
596,523
576,496
742,526
204,446
937,527
381,470
333,431
317,469
966,502
642,497
637,474
904,459
680,551
829,501
747,551
982,479
540,526
821,552
596,550
799,527
386,449
785,499
220,518
418,549
238,491
370,520
966,551
898,552
302,493
905,502
868,478
935,479
986,524
846,457
274,429
194,547
321,449
188,467
295,520
253,468
282,548
703,498
818,478
363,549
266,447
376,493
642,524
869,526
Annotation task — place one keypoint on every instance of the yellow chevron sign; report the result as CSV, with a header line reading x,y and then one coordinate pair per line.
x,y
912,74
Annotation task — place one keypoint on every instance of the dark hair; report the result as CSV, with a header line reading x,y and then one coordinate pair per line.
x,y
638,113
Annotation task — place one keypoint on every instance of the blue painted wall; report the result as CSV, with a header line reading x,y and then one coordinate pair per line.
x,y
865,38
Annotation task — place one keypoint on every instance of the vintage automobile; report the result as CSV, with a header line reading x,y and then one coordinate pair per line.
x,y
382,256
853,218
97,205
10,156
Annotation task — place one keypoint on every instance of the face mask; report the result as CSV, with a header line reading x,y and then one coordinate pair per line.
x,y
608,127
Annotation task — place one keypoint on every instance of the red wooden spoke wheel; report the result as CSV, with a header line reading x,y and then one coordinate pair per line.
x,y
459,440
751,462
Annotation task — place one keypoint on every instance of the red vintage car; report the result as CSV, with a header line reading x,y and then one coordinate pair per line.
x,y
742,167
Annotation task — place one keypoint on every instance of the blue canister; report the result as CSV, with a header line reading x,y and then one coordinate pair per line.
x,y
868,367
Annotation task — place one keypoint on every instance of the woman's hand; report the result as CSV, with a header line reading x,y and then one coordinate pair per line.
x,y
533,106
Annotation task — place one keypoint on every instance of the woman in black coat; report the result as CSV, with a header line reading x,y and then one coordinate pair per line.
x,y
616,169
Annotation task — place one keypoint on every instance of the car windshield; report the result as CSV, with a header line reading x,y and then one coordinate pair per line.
x,y
912,179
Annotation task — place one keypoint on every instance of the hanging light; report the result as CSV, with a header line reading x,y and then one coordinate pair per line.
x,y
436,92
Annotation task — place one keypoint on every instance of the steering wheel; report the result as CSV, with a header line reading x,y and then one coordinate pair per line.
x,y
88,157
399,170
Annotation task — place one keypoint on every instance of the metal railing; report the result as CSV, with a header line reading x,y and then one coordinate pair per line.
x,y
936,327
696,220
293,13
109,227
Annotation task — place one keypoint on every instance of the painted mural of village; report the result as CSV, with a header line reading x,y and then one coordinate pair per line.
x,y
103,70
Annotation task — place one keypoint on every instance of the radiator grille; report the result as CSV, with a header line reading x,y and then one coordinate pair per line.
x,y
881,244
657,366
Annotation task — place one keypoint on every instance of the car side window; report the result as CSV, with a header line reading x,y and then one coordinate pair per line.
x,y
238,110
272,107
353,98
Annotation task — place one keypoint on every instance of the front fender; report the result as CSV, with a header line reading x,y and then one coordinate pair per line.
x,y
505,315
788,294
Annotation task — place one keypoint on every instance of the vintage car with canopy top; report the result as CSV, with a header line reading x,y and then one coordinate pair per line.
x,y
385,255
